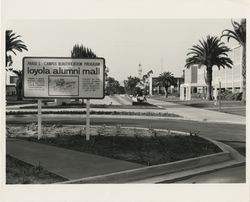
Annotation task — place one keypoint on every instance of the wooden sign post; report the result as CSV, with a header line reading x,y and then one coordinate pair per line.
x,y
87,119
39,118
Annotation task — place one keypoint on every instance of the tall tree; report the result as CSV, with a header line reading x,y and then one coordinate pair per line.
x,y
112,86
130,85
239,34
79,51
166,79
12,44
145,82
209,53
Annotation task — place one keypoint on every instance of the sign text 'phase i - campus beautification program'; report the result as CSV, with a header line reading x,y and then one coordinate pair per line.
x,y
47,77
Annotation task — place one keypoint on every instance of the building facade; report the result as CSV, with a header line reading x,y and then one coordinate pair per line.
x,y
229,78
156,89
11,79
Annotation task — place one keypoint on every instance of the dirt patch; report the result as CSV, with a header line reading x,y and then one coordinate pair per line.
x,y
19,172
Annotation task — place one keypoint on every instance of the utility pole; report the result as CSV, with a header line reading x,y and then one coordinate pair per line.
x,y
219,96
140,71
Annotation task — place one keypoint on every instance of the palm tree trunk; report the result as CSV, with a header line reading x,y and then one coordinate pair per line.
x,y
166,91
243,99
209,83
19,89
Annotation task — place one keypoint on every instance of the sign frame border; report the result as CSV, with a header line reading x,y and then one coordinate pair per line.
x,y
99,98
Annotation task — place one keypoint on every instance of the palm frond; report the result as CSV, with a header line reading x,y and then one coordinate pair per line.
x,y
238,33
12,43
209,52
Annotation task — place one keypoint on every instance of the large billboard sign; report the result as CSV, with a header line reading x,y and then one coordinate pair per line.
x,y
50,77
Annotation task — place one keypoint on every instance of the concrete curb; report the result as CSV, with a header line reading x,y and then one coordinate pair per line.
x,y
228,157
236,160
151,171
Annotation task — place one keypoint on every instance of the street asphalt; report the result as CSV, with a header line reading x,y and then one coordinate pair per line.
x,y
227,175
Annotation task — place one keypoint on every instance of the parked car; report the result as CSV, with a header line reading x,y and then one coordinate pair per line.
x,y
139,99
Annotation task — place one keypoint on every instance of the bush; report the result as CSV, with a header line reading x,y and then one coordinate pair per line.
x,y
196,95
228,95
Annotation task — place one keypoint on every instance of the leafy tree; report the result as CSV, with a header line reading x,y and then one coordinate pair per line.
x,y
112,86
130,85
239,34
145,82
79,51
210,52
12,44
166,79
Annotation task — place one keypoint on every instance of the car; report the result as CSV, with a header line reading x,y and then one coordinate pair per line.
x,y
139,99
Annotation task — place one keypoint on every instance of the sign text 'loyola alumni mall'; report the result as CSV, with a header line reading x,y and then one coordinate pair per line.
x,y
63,77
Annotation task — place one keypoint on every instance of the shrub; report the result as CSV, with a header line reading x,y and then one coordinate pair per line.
x,y
228,95
196,95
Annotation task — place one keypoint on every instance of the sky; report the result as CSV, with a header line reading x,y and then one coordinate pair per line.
x,y
157,44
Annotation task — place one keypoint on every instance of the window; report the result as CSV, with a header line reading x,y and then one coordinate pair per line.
x,y
13,79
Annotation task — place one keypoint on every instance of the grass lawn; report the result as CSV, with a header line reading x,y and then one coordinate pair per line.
x,y
139,149
19,172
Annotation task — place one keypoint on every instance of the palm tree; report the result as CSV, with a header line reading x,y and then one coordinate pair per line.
x,y
166,79
210,52
19,84
12,44
239,34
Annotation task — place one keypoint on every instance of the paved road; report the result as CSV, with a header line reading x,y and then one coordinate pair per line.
x,y
228,175
198,114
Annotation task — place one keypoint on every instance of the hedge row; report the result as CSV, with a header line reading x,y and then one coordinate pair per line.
x,y
97,113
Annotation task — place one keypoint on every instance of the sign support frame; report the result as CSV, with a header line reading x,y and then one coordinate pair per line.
x,y
87,119
39,118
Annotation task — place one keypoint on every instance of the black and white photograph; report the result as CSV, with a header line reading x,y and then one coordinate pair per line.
x,y
125,101
173,109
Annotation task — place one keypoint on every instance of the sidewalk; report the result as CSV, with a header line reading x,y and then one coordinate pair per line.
x,y
197,114
64,162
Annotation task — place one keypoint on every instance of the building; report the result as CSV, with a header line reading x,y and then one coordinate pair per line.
x,y
156,89
230,79
11,79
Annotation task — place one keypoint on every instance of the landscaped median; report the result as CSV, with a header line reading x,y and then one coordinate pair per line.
x,y
160,151
93,112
